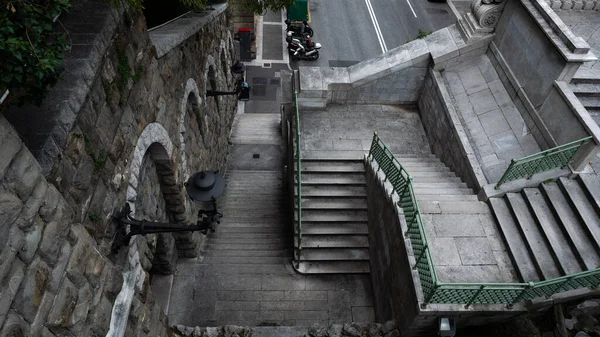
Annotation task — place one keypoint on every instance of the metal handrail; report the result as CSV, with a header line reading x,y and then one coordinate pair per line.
x,y
298,172
435,291
556,157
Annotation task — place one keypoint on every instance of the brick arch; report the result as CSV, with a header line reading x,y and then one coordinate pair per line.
x,y
191,90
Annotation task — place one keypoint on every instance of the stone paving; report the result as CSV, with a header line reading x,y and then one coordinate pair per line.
x,y
493,123
585,24
351,127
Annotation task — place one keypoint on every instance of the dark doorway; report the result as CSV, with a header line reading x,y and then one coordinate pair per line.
x,y
158,12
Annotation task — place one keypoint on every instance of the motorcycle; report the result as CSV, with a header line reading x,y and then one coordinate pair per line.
x,y
302,48
303,30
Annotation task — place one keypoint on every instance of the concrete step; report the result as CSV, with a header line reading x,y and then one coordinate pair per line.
x,y
334,203
235,236
338,228
248,253
550,228
333,267
517,248
249,240
332,166
591,102
443,185
591,185
246,246
252,260
333,254
333,241
585,89
413,168
311,191
438,180
333,179
584,208
419,160
434,197
333,216
232,229
534,239
587,76
453,207
333,155
243,269
442,191
433,174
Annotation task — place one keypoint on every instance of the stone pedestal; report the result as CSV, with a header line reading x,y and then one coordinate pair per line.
x,y
482,19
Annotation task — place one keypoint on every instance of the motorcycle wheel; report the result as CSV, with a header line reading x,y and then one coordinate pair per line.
x,y
314,56
309,32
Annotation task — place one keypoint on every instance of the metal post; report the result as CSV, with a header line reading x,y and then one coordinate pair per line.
x,y
474,297
505,175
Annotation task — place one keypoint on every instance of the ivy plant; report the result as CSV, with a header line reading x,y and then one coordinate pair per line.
x,y
30,47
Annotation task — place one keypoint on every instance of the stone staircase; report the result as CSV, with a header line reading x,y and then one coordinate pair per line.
x,y
334,214
552,230
586,86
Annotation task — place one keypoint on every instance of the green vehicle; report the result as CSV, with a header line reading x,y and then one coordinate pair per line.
x,y
298,12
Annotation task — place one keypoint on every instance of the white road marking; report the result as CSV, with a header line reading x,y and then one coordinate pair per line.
x,y
411,8
376,25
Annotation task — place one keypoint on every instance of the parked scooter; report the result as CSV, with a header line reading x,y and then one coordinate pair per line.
x,y
299,30
302,48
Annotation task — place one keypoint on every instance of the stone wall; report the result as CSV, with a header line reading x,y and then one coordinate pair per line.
x,y
575,4
445,132
124,126
396,286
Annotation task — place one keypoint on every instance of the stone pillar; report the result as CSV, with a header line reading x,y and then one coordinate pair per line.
x,y
482,19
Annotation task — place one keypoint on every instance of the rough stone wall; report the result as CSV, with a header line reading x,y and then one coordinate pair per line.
x,y
445,132
53,279
57,277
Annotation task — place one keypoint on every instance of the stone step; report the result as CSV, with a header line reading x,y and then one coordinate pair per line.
x,y
332,166
517,247
232,269
440,185
453,207
339,228
333,241
333,179
333,203
550,228
333,254
438,180
333,267
266,140
433,174
419,160
585,89
252,260
413,168
248,253
333,216
442,191
333,155
584,209
311,191
232,229
534,239
590,103
584,75
238,235
245,246
591,185
250,240
434,197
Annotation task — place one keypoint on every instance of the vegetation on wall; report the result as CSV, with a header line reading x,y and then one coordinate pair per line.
x,y
30,48
261,6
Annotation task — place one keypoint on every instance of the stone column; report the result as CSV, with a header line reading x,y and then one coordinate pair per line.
x,y
482,19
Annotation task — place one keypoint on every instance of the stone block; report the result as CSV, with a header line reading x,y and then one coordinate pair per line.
x,y
32,291
32,205
48,206
59,267
10,285
15,325
10,207
78,262
39,322
32,240
54,233
99,317
11,145
64,306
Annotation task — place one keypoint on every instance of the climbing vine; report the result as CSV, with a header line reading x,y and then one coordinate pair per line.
x,y
30,48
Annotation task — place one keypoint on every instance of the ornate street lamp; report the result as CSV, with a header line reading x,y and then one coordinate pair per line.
x,y
204,188
242,89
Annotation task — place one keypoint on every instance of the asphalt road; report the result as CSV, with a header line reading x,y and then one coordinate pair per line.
x,y
347,31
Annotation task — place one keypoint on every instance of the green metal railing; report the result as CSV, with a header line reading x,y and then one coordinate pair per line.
x,y
298,174
435,291
557,157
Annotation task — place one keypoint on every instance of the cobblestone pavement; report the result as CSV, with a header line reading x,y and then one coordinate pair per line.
x,y
493,123
585,24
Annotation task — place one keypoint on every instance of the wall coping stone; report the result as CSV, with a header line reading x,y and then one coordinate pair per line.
x,y
578,110
169,36
572,48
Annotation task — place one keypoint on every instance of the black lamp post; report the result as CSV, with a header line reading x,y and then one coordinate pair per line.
x,y
242,89
203,187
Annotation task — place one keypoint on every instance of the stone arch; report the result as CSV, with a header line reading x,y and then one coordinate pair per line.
x,y
191,103
225,63
211,104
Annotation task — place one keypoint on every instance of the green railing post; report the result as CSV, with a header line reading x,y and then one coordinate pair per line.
x,y
520,296
429,296
474,297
